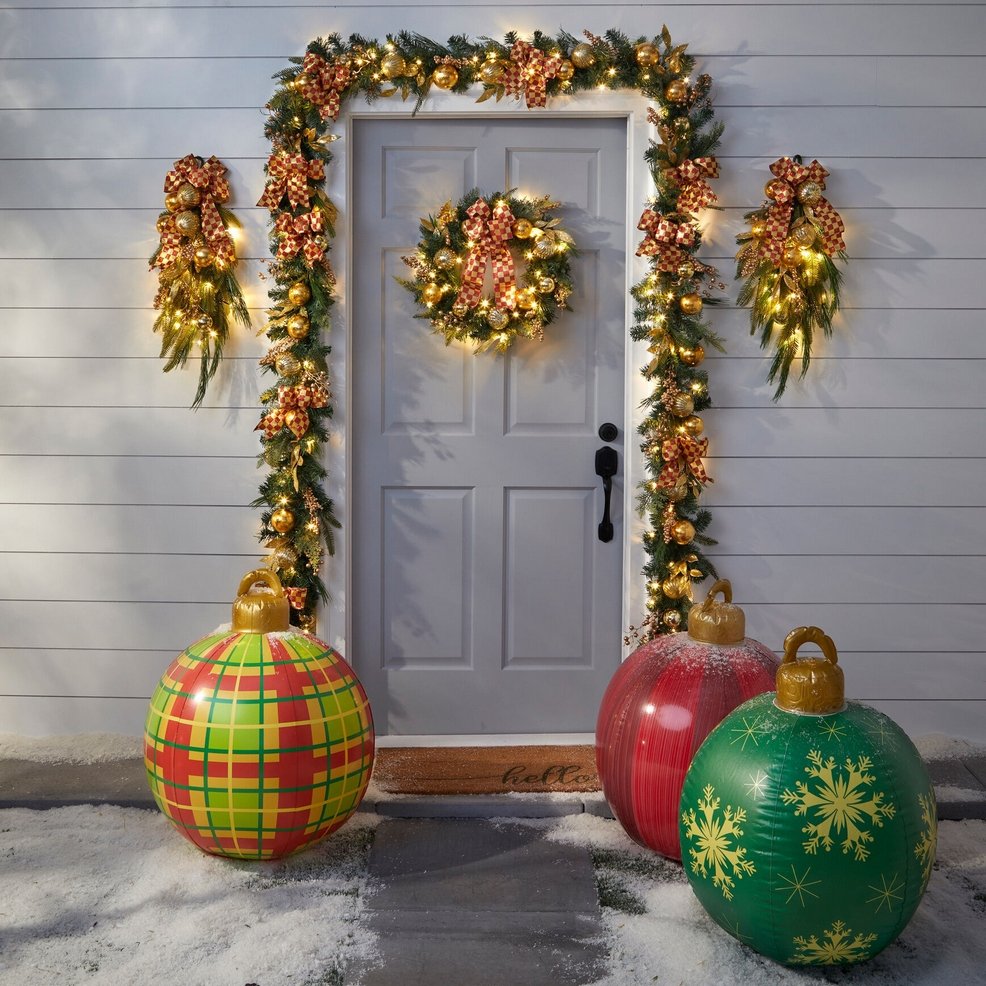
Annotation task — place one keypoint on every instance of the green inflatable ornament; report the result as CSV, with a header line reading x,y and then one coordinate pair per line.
x,y
808,823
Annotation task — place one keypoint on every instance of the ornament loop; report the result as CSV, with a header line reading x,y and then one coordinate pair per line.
x,y
261,612
721,585
714,622
811,685
808,635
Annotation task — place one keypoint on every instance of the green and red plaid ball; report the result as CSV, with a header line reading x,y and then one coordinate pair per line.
x,y
258,744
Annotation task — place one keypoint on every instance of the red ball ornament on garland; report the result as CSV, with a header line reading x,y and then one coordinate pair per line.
x,y
259,738
662,703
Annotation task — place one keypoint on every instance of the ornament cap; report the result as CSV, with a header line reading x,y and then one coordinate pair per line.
x,y
814,685
261,612
714,622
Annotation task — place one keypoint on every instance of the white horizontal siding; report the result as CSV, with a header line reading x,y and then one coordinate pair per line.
x,y
856,503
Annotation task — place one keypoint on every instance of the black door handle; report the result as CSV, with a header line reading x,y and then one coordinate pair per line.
x,y
607,463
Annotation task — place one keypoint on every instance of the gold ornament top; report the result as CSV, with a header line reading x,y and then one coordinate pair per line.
x,y
261,612
813,685
713,622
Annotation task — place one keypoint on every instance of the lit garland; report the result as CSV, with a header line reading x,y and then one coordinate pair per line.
x,y
497,231
198,292
787,261
311,94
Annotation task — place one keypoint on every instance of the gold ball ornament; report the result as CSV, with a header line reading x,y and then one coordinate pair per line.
x,y
298,326
682,405
162,223
307,622
171,203
693,425
431,294
647,55
546,285
203,321
491,72
282,520
809,192
299,293
686,269
187,222
282,554
525,299
460,309
565,70
445,258
188,196
774,187
683,531
545,247
392,65
676,91
671,618
692,355
203,257
287,365
803,235
674,588
523,228
677,493
791,256
683,124
583,56
498,319
445,76
691,303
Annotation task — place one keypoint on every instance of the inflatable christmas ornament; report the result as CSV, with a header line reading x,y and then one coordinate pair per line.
x,y
662,703
259,738
808,824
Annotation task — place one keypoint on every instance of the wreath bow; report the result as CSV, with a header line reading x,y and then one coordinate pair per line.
x,y
209,178
664,239
691,177
488,231
527,73
681,454
326,83
289,174
828,221
301,233
296,596
298,399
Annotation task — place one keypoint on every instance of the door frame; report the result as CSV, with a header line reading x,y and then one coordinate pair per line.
x,y
337,617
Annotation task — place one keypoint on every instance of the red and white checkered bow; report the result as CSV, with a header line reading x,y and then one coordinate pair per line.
x,y
682,453
301,233
288,174
326,83
296,596
298,399
488,231
778,221
209,178
691,177
664,240
527,73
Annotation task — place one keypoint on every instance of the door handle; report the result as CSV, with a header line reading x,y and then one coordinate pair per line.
x,y
607,463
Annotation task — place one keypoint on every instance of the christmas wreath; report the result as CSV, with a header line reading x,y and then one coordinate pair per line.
x,y
507,234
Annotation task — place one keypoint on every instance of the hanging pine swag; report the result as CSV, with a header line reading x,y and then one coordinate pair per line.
x,y
297,516
508,234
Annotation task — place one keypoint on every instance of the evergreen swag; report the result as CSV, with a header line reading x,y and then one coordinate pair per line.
x,y
668,301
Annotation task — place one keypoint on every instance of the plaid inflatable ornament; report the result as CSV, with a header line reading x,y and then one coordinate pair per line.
x,y
259,739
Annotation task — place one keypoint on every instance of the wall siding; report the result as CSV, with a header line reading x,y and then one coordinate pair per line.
x,y
856,504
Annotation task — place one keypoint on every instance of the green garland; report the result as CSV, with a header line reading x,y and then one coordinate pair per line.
x,y
311,93
786,259
442,258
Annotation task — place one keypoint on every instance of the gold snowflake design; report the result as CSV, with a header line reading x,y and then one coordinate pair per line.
x,y
928,840
832,729
841,804
718,850
836,948
797,886
748,731
888,893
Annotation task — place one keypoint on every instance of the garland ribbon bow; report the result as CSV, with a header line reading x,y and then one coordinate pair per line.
x,y
527,73
298,399
301,233
664,239
691,177
296,596
326,83
289,174
488,231
682,453
828,221
209,178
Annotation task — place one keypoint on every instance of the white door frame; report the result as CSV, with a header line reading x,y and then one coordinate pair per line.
x,y
336,621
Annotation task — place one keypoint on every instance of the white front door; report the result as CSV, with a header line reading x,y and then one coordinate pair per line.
x,y
483,600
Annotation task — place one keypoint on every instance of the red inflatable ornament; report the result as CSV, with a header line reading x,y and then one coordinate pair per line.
x,y
662,703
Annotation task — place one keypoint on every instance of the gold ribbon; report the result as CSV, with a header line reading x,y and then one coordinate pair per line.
x,y
527,73
488,230
664,239
326,83
681,454
691,177
288,174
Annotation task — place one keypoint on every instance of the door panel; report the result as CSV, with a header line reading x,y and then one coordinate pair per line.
x,y
482,599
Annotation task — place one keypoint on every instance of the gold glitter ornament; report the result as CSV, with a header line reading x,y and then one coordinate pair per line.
x,y
282,520
171,203
445,258
583,56
682,531
671,618
299,293
676,91
445,76
523,229
809,192
498,319
545,247
392,65
546,285
565,70
298,326
459,309
647,55
691,355
774,187
693,425
203,257
431,294
287,365
691,303
491,72
803,235
525,299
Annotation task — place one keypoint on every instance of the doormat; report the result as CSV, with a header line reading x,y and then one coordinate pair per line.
x,y
485,769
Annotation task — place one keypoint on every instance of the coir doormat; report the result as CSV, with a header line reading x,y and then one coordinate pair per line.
x,y
485,770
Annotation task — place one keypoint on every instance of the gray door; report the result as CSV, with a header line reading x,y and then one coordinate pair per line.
x,y
483,600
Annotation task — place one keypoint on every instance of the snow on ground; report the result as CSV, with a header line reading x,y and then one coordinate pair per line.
x,y
77,748
114,896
